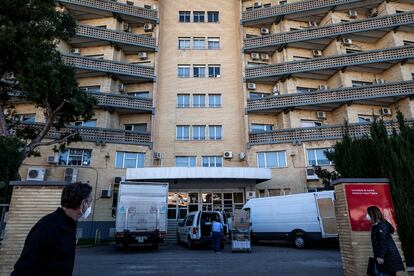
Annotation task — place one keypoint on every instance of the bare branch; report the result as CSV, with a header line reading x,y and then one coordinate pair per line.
x,y
56,141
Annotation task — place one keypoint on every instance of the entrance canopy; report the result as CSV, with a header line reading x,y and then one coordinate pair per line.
x,y
256,175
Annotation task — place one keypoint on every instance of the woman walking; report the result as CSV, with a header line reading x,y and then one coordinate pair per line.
x,y
387,258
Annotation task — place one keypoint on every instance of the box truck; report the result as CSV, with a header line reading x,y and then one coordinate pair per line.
x,y
300,218
141,217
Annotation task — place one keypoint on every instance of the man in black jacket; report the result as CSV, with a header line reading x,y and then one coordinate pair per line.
x,y
50,246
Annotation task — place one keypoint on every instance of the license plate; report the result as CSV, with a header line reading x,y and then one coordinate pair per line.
x,y
140,239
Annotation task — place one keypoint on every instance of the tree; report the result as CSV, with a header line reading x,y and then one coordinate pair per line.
x,y
380,155
32,69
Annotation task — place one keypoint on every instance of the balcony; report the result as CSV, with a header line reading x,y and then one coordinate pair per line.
x,y
330,132
323,68
87,36
312,10
90,9
367,30
123,103
380,94
95,134
91,67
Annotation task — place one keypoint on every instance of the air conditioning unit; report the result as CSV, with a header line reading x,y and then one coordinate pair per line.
x,y
310,174
264,57
118,179
251,86
373,12
347,41
53,159
321,114
385,111
142,55
352,14
323,87
317,53
121,88
250,195
9,76
148,27
255,56
71,175
36,174
75,51
257,5
242,155
379,81
264,31
157,156
228,154
106,194
127,28
312,24
275,90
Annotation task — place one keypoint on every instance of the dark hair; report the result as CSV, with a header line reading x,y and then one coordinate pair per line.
x,y
375,213
74,193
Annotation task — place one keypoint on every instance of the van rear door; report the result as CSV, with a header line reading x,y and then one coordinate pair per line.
x,y
326,214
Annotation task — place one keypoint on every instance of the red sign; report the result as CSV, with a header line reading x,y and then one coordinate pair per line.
x,y
360,196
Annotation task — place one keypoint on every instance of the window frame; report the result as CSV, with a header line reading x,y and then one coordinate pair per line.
x,y
200,131
266,160
214,162
214,40
189,162
184,39
214,67
214,14
199,40
200,15
185,67
68,154
183,137
199,68
124,159
199,100
215,128
315,156
214,104
184,15
183,105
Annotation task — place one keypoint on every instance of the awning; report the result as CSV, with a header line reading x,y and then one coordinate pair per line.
x,y
176,173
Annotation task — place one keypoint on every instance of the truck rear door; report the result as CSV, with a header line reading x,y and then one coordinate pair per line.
x,y
326,214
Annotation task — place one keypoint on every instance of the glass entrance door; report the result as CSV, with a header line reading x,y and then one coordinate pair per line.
x,y
177,205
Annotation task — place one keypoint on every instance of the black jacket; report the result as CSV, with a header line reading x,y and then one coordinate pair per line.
x,y
49,248
384,246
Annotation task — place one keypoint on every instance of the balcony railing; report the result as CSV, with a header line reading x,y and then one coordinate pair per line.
x,y
112,7
269,14
123,102
110,67
115,37
333,62
332,132
348,94
333,30
94,134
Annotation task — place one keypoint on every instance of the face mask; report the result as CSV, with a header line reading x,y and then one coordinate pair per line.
x,y
86,213
368,217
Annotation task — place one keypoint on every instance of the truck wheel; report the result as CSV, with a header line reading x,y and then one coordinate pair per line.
x,y
299,241
190,244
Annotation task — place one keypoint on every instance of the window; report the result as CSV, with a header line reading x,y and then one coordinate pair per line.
x,y
183,133
91,123
214,132
310,123
199,100
129,160
283,2
183,100
101,26
198,16
365,118
143,94
213,16
351,51
183,43
214,100
185,16
407,42
136,127
130,3
199,43
213,43
271,159
360,83
249,8
213,71
199,133
294,29
75,157
305,89
148,7
212,161
297,58
199,71
189,221
316,157
27,118
183,71
267,5
257,95
95,88
98,56
185,161
274,192
261,127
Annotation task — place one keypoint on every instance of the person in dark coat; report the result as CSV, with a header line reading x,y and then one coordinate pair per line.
x,y
50,246
386,255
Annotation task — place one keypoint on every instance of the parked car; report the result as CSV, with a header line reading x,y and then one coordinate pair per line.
x,y
195,229
300,218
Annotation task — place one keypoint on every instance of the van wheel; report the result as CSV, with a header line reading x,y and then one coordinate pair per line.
x,y
190,244
299,240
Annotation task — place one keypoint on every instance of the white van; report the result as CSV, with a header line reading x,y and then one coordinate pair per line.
x,y
300,217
